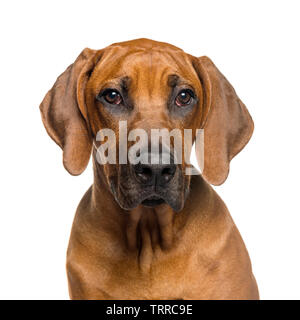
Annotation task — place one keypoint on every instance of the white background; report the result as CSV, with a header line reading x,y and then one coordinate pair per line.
x,y
254,43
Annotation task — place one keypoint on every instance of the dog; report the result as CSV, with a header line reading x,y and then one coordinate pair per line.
x,y
150,231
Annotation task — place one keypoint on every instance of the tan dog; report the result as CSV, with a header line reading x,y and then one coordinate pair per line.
x,y
151,232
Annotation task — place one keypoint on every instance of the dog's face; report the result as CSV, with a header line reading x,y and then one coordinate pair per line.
x,y
150,85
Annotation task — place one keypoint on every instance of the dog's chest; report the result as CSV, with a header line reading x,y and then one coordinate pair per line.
x,y
151,275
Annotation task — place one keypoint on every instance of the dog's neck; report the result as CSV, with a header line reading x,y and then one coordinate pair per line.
x,y
150,225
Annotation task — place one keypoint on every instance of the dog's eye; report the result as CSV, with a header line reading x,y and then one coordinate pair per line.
x,y
184,98
112,96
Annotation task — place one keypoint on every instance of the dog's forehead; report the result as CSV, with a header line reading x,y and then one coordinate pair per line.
x,y
143,58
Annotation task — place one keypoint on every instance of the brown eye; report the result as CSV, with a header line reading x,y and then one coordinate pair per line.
x,y
184,98
112,96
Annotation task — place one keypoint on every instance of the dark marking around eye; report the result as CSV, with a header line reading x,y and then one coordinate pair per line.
x,y
125,83
173,80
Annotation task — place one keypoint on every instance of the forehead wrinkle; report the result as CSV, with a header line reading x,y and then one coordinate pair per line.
x,y
169,66
113,63
122,82
183,65
156,75
142,73
152,79
159,69
151,73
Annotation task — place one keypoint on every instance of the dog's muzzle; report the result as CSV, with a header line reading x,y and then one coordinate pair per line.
x,y
155,177
151,183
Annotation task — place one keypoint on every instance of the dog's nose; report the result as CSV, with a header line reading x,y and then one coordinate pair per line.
x,y
154,174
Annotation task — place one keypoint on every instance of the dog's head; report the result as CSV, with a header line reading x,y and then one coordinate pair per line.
x,y
147,85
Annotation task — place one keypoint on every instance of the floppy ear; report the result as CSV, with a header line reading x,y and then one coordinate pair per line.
x,y
64,112
228,125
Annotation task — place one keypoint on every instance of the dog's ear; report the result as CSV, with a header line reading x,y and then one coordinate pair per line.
x,y
227,126
64,112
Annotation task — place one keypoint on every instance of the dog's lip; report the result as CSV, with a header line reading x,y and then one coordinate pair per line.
x,y
153,201
148,197
153,198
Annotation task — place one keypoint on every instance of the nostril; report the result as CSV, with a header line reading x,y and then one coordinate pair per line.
x,y
143,172
167,173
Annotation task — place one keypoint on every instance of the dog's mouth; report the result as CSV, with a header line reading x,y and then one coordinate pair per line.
x,y
153,201
129,193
